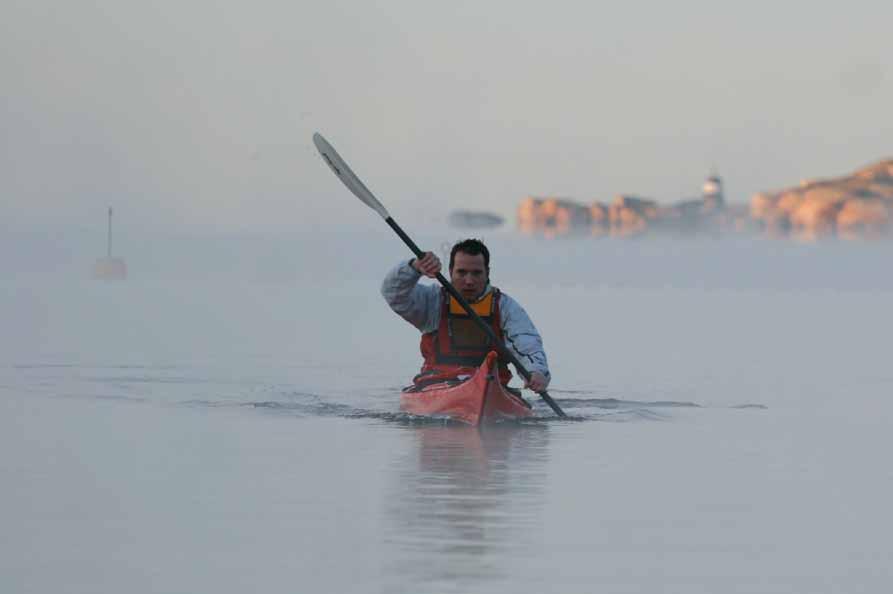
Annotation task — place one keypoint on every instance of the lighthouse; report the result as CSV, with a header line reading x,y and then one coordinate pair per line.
x,y
712,193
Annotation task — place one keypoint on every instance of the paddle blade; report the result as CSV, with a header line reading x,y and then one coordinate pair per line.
x,y
347,176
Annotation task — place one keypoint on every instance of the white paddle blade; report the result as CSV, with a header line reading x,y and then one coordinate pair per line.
x,y
347,176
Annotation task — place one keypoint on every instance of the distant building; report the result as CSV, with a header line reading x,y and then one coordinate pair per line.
x,y
109,268
712,193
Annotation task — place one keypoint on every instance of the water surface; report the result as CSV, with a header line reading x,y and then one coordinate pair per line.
x,y
226,420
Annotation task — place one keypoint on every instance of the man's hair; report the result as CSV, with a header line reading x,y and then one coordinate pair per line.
x,y
472,247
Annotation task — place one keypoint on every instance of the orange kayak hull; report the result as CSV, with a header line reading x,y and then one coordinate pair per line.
x,y
479,399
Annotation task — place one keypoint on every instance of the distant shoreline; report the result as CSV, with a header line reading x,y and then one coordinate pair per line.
x,y
853,207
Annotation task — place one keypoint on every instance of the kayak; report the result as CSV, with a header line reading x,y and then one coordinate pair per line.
x,y
479,399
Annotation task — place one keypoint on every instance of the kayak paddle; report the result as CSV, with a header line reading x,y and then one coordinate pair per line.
x,y
353,183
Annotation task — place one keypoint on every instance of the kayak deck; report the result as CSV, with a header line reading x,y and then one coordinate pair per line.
x,y
479,399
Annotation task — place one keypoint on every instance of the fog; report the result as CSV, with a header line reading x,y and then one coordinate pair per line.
x,y
246,290
199,114
226,418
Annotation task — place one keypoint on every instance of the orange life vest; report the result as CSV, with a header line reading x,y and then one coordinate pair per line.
x,y
459,346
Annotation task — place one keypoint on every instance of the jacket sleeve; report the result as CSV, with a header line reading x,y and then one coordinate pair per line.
x,y
522,337
417,304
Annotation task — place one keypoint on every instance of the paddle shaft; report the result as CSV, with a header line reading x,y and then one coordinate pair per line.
x,y
503,351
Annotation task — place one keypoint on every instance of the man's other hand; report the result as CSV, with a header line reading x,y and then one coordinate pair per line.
x,y
537,382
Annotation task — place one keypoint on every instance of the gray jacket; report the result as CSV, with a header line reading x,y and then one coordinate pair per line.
x,y
420,305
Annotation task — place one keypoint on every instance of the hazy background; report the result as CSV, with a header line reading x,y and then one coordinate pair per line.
x,y
226,419
199,114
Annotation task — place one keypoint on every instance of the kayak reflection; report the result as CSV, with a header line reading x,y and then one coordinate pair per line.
x,y
469,503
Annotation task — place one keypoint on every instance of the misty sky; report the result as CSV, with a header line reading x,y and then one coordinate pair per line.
x,y
200,114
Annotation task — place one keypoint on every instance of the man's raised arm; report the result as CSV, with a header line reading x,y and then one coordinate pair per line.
x,y
417,304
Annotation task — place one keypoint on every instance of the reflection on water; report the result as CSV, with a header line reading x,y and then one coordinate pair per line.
x,y
465,502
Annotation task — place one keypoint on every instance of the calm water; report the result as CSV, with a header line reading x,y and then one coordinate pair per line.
x,y
226,421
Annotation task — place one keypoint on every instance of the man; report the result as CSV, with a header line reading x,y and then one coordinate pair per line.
x,y
452,344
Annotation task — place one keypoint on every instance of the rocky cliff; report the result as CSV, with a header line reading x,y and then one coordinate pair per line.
x,y
859,205
625,215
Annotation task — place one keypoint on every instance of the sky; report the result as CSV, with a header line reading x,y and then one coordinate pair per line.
x,y
199,115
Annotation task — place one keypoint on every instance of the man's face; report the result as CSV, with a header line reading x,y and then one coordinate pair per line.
x,y
469,275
